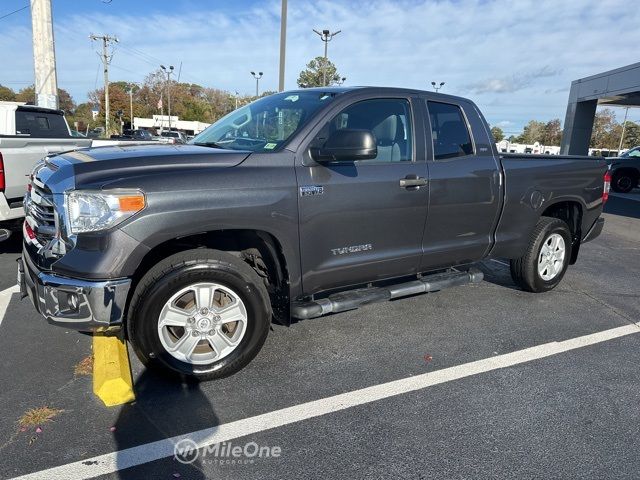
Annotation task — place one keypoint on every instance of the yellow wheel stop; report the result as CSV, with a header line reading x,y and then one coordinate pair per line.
x,y
112,381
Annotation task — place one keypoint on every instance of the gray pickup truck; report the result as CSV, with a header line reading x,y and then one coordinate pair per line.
x,y
301,204
27,133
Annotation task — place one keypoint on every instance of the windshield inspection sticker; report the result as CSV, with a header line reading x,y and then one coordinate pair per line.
x,y
270,146
292,98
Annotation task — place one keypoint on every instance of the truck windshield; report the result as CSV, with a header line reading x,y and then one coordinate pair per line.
x,y
266,124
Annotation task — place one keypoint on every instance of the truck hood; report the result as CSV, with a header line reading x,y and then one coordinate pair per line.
x,y
100,166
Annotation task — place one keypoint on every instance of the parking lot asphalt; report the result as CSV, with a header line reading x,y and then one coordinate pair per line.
x,y
569,415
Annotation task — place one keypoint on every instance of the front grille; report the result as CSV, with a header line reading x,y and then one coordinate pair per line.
x,y
39,209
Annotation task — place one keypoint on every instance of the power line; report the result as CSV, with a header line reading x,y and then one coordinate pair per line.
x,y
15,11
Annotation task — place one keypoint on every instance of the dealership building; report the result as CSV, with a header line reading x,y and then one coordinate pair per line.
x,y
619,87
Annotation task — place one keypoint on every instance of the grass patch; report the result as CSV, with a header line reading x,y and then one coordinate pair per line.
x,y
38,416
84,366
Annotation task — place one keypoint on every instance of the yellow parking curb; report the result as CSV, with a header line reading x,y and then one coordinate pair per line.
x,y
112,381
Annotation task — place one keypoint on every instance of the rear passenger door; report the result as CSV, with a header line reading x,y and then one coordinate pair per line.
x,y
465,194
362,220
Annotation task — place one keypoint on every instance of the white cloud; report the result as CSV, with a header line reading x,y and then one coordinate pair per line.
x,y
515,59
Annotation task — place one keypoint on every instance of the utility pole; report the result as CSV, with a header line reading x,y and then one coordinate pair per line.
x,y
257,77
624,124
106,60
326,36
44,54
168,72
283,43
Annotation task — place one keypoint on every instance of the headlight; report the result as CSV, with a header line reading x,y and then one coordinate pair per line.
x,y
92,211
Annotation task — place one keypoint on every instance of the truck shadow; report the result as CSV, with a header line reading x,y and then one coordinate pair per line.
x,y
164,408
498,273
12,245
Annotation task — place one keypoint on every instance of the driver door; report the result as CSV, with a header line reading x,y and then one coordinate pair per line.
x,y
361,220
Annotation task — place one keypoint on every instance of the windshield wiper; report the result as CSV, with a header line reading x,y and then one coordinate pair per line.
x,y
210,144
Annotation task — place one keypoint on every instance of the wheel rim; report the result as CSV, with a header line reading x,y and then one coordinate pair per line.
x,y
623,183
202,323
551,257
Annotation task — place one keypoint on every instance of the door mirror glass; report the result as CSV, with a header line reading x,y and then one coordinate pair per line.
x,y
347,144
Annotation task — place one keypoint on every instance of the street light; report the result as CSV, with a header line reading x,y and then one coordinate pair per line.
x,y
168,72
341,81
257,77
326,36
437,87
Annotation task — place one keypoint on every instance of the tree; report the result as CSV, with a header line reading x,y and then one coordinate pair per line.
x,y
7,94
552,133
533,132
313,74
497,133
65,102
604,130
631,135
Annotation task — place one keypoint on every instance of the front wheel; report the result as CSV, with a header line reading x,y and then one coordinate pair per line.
x,y
546,260
623,182
199,313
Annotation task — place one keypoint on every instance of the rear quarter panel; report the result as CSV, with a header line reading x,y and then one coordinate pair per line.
x,y
533,183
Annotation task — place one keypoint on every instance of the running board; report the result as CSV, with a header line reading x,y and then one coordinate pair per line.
x,y
352,299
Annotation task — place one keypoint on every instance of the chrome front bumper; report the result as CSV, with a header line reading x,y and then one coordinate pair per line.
x,y
87,306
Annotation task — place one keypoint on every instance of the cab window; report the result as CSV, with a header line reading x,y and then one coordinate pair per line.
x,y
389,119
449,131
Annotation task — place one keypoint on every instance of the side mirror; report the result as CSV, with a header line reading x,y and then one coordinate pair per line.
x,y
347,144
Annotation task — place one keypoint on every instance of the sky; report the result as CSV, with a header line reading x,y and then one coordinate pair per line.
x,y
515,58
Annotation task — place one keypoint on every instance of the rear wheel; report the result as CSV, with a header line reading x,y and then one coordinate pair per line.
x,y
200,313
546,260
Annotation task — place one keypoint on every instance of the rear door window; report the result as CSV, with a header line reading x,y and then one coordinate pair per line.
x,y
449,131
40,124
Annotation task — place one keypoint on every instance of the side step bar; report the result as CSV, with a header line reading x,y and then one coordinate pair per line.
x,y
352,299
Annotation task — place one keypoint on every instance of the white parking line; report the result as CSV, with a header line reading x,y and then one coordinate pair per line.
x,y
131,457
5,298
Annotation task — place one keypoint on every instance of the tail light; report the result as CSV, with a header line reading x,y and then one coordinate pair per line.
x,y
606,187
2,182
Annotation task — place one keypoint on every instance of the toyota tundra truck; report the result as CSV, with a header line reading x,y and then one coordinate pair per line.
x,y
27,133
298,205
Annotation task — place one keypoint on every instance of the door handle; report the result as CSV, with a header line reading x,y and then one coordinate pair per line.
x,y
413,181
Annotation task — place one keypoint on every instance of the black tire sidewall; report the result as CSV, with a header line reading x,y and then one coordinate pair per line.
x,y
144,325
556,227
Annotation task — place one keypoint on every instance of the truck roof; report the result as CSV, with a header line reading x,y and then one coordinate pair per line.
x,y
377,90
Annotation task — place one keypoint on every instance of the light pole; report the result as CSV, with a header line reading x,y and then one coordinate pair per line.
x,y
326,36
341,81
624,124
168,71
131,85
257,77
437,87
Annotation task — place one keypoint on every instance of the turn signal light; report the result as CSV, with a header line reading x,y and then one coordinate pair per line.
x,y
131,203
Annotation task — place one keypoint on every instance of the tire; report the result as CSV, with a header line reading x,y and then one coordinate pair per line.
x,y
525,270
202,270
623,181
